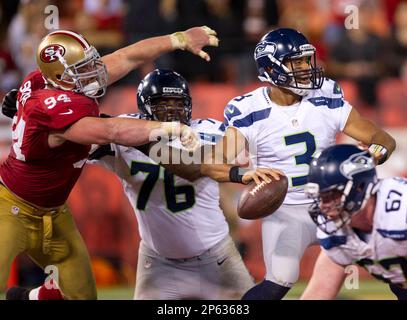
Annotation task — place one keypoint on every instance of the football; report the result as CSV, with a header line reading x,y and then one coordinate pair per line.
x,y
259,201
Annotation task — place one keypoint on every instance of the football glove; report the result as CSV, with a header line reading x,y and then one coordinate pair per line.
x,y
9,103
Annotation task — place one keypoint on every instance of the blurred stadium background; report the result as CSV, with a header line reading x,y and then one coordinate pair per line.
x,y
370,63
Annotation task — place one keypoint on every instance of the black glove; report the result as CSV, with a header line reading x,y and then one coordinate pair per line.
x,y
9,103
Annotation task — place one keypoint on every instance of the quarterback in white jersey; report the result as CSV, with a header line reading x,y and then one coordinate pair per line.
x,y
360,220
283,125
186,250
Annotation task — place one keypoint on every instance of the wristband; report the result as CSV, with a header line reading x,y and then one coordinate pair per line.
x,y
235,174
178,40
378,150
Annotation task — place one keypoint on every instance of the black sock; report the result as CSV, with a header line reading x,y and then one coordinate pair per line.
x,y
266,290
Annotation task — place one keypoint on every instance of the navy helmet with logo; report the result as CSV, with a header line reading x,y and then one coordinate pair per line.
x,y
280,46
161,83
344,171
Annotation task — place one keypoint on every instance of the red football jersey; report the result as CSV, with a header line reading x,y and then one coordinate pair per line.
x,y
33,171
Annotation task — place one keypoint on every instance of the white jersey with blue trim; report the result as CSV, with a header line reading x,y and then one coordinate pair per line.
x,y
383,252
177,218
286,137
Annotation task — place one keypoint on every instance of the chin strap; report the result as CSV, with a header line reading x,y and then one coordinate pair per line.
x,y
265,77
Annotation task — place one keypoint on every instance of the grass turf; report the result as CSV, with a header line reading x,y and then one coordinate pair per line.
x,y
368,290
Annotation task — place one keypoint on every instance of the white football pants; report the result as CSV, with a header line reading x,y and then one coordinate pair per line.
x,y
218,273
286,234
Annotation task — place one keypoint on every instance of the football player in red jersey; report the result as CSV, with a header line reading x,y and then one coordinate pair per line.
x,y
56,122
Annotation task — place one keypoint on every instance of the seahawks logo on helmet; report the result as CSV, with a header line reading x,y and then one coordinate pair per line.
x,y
356,163
264,48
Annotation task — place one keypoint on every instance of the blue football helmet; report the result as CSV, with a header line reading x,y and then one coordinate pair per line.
x,y
282,46
154,92
340,181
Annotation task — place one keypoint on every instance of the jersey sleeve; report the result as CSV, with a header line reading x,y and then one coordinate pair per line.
x,y
339,108
104,155
58,110
208,130
242,114
331,244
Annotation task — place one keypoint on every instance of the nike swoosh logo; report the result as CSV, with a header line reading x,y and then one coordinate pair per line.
x,y
70,111
230,110
219,262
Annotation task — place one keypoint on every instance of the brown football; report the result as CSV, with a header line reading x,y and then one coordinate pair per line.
x,y
259,201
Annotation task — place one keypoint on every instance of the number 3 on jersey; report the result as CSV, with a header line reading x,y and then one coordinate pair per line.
x,y
178,198
304,158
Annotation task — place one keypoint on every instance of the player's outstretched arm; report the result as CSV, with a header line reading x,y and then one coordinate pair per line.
x,y
122,61
124,131
182,163
174,161
370,134
326,281
217,164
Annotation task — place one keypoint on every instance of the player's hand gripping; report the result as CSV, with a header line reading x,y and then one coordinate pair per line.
x,y
262,174
189,139
194,39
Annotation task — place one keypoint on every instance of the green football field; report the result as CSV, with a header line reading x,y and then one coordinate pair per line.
x,y
368,290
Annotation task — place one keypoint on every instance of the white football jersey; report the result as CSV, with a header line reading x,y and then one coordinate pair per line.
x,y
177,218
383,252
287,137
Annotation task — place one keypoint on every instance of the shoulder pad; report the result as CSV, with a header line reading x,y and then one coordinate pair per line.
x,y
331,89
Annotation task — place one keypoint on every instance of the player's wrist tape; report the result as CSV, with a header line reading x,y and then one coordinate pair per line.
x,y
236,174
380,151
179,40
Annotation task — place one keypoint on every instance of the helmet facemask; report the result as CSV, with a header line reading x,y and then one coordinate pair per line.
x,y
280,75
170,108
314,76
328,210
333,208
87,76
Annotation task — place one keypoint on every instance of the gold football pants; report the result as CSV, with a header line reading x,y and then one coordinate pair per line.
x,y
50,238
